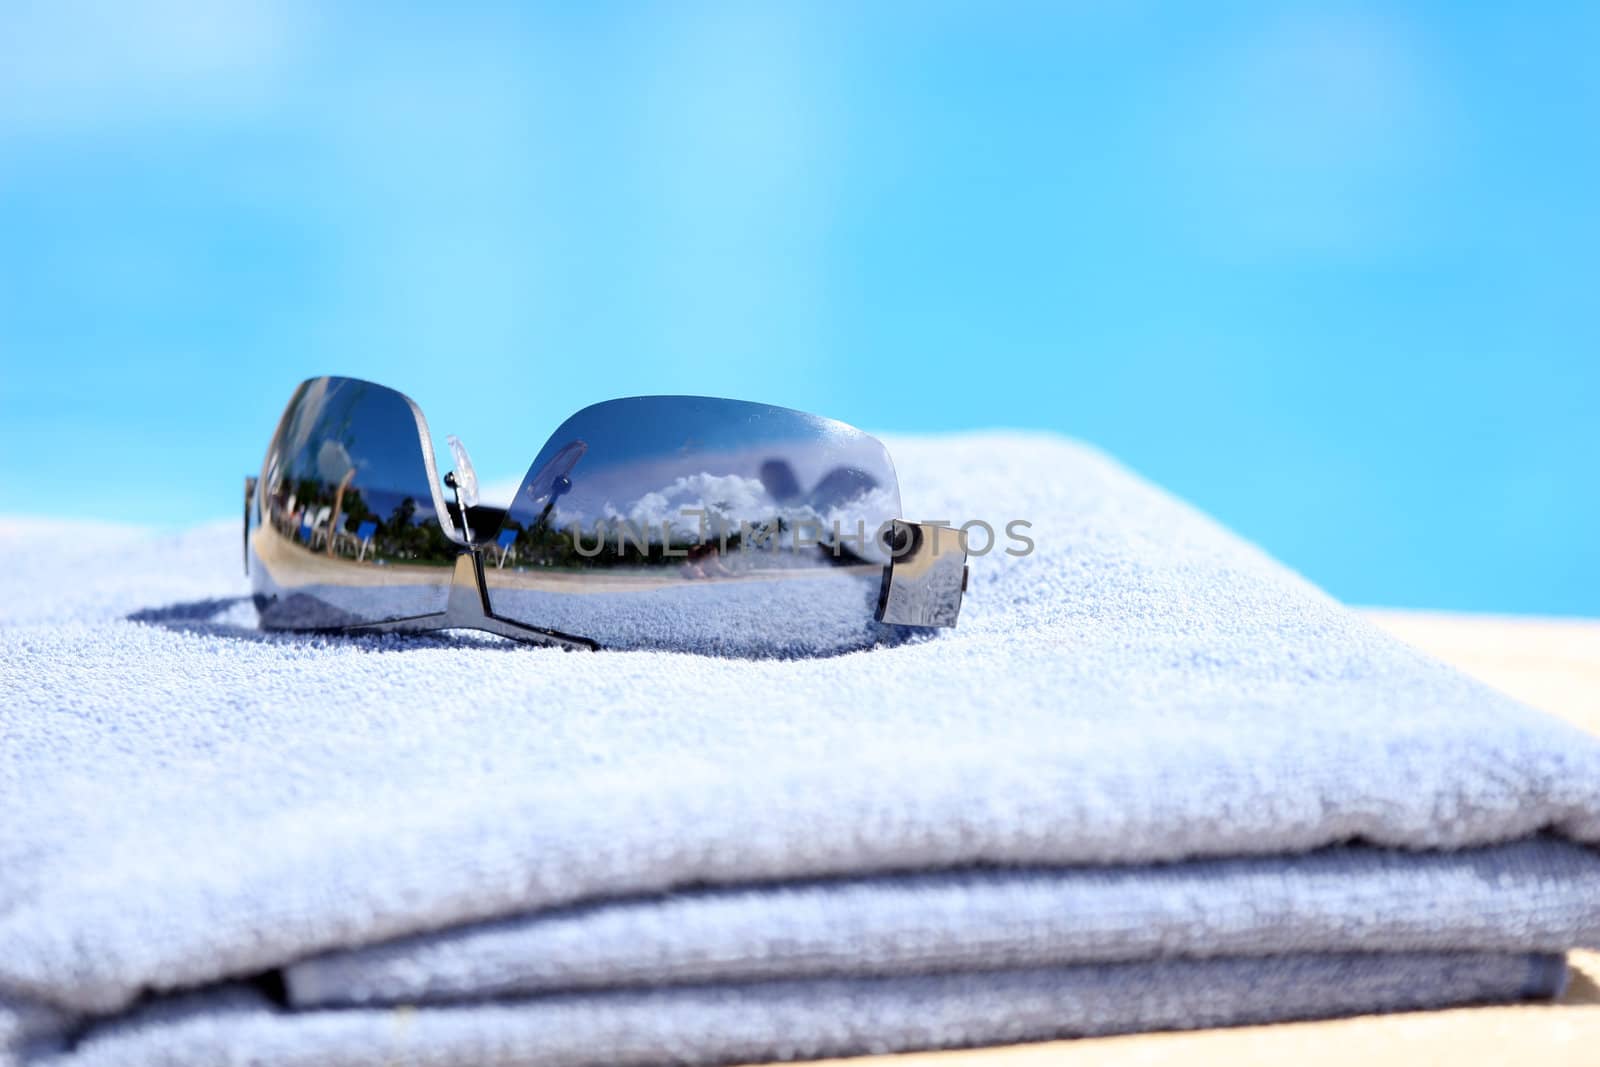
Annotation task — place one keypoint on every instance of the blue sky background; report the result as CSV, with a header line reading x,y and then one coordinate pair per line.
x,y
1332,272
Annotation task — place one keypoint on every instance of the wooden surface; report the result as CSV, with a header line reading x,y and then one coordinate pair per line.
x,y
1554,665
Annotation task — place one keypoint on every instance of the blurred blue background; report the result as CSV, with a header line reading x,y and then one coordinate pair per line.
x,y
1330,272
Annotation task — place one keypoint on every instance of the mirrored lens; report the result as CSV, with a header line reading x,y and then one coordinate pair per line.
x,y
700,524
346,528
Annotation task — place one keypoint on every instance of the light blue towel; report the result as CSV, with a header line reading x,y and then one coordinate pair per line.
x,y
795,1020
1534,896
1217,783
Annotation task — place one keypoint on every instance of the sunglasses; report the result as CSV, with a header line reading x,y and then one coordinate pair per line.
x,y
670,522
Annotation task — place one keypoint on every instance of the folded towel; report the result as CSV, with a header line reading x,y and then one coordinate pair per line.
x,y
795,1020
1525,897
1153,780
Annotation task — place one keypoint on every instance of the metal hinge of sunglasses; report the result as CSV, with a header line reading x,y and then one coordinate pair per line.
x,y
675,522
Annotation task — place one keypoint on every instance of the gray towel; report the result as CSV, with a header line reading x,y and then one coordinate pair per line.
x,y
1153,780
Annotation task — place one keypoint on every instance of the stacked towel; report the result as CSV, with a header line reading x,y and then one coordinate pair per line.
x,y
1152,781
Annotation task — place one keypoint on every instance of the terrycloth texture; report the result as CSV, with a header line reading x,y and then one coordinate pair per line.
x,y
189,801
804,1019
1524,897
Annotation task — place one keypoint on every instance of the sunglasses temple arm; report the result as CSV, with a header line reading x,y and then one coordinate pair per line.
x,y
926,577
468,609
249,501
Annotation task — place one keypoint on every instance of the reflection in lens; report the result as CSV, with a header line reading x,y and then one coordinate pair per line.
x,y
346,529
701,524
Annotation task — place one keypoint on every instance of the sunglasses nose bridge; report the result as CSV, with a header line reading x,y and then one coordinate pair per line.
x,y
467,599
